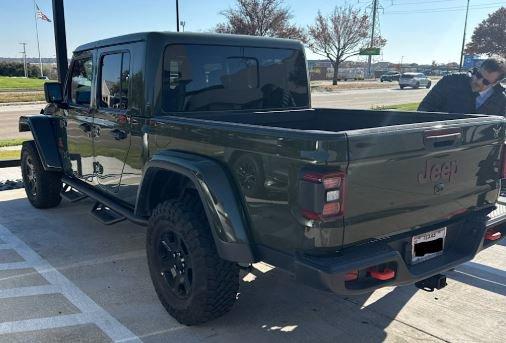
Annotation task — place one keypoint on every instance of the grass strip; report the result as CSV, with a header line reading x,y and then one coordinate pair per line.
x,y
10,154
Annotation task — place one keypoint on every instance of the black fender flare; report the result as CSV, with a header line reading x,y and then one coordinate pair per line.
x,y
219,194
44,129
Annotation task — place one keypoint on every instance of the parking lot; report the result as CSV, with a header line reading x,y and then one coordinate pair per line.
x,y
65,277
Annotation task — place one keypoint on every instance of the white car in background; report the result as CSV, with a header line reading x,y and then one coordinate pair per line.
x,y
415,80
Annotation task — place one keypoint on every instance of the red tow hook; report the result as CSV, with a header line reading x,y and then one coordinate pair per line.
x,y
385,274
492,235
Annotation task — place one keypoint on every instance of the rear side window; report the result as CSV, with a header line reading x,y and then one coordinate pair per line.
x,y
114,77
213,78
80,87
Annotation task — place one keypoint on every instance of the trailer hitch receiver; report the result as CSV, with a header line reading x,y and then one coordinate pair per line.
x,y
434,282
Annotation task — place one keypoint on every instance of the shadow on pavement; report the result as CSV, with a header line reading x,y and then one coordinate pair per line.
x,y
271,306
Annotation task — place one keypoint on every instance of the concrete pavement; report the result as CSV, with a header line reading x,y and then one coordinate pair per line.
x,y
66,277
9,118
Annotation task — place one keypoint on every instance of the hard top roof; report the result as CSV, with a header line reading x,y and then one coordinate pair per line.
x,y
196,38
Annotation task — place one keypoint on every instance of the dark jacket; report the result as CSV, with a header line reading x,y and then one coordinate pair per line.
x,y
453,94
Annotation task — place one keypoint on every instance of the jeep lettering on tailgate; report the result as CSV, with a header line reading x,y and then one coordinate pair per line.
x,y
435,172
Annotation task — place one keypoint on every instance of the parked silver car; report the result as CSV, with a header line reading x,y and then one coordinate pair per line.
x,y
415,80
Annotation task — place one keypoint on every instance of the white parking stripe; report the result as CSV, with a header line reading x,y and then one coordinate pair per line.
x,y
29,291
487,269
91,312
45,323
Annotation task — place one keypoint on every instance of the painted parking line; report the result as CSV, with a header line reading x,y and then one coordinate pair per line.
x,y
91,313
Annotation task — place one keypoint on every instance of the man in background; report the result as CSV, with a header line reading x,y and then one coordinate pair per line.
x,y
477,92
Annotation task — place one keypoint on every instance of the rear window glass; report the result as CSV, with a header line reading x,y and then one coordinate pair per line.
x,y
214,78
407,76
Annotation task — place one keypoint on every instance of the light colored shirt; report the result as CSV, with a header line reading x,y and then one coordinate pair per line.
x,y
480,99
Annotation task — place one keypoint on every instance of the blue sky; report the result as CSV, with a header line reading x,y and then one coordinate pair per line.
x,y
419,30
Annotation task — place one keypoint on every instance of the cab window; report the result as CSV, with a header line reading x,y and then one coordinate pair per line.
x,y
114,78
81,77
217,78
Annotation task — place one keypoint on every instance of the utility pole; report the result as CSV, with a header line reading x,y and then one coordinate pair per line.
x,y
177,14
183,23
400,67
24,58
37,32
464,38
374,11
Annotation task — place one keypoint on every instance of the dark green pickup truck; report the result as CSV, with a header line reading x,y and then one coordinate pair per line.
x,y
211,142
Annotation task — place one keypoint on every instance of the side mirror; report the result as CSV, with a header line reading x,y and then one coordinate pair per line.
x,y
53,92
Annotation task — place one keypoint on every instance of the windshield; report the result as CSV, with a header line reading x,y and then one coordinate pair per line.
x,y
216,78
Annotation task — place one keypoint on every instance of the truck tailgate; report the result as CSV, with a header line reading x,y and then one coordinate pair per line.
x,y
402,177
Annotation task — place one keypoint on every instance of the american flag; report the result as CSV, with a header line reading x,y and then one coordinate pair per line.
x,y
41,15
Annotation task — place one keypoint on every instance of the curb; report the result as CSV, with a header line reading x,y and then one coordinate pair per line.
x,y
22,103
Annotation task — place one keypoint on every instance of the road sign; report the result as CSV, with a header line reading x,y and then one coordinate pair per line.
x,y
471,61
370,51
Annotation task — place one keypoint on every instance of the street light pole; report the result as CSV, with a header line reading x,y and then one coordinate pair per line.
x,y
464,38
177,14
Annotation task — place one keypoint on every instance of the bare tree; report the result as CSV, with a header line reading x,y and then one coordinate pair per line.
x,y
260,18
489,36
340,35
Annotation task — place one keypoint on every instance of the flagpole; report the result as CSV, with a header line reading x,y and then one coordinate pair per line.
x,y
37,32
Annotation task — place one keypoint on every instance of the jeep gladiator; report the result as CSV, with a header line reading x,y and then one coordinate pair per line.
x,y
210,141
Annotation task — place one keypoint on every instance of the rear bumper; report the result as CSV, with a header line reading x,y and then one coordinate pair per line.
x,y
463,241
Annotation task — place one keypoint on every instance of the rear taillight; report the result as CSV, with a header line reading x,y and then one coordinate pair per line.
x,y
321,195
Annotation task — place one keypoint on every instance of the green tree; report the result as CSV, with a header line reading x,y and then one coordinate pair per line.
x,y
341,34
268,18
489,37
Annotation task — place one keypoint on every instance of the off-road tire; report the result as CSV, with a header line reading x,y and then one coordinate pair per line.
x,y
42,187
402,87
215,282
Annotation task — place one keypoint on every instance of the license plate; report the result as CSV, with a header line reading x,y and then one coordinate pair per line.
x,y
427,245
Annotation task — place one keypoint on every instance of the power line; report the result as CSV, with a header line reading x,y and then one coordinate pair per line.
x,y
421,3
447,9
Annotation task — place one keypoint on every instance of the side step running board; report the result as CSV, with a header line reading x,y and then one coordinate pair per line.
x,y
105,201
105,214
72,195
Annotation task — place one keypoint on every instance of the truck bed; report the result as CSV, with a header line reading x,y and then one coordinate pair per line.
x,y
329,120
404,170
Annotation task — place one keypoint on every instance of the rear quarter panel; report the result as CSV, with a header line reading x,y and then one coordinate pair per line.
x,y
273,214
